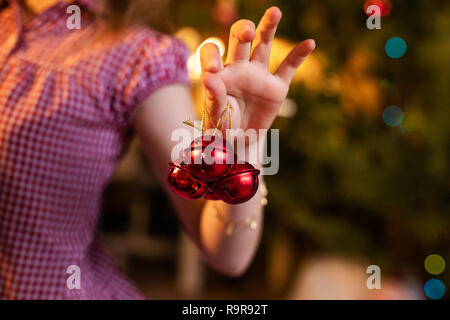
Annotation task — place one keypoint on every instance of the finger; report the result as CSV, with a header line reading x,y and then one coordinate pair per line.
x,y
264,35
242,34
210,58
214,97
294,59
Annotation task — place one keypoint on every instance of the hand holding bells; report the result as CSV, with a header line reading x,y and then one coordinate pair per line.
x,y
208,168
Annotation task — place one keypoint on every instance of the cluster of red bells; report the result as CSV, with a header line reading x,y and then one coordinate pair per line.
x,y
209,169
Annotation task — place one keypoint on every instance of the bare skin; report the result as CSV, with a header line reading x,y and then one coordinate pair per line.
x,y
255,96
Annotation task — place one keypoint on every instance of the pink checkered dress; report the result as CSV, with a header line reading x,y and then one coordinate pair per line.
x,y
65,101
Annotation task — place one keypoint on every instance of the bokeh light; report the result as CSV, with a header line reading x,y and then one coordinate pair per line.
x,y
386,85
288,108
190,36
225,12
393,116
385,6
395,47
434,289
434,264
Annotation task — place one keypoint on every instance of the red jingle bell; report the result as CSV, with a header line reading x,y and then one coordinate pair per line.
x,y
184,184
212,195
209,158
239,186
209,169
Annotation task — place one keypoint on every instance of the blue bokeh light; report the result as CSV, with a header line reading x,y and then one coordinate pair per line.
x,y
434,289
395,47
393,116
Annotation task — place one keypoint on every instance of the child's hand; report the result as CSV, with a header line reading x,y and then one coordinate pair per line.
x,y
254,93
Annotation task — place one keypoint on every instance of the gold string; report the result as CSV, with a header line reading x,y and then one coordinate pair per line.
x,y
227,108
220,122
229,115
203,120
210,119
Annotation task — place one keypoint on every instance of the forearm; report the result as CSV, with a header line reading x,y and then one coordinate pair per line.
x,y
229,253
230,234
227,235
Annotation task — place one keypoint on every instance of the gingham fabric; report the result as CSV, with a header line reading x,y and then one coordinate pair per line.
x,y
65,101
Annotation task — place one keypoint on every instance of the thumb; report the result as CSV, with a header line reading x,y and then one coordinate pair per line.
x,y
214,98
210,59
214,89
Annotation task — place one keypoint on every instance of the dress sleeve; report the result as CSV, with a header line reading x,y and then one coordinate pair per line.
x,y
157,60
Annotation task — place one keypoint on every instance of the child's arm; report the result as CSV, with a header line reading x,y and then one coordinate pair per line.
x,y
255,96
154,121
